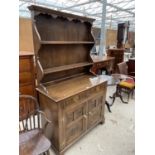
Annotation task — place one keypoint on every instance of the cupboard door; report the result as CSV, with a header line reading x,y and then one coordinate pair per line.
x,y
75,123
95,111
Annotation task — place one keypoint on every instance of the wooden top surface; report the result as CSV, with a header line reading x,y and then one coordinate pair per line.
x,y
70,87
24,53
97,58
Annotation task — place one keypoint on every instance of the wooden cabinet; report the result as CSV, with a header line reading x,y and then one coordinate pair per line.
x,y
74,116
71,96
26,73
118,54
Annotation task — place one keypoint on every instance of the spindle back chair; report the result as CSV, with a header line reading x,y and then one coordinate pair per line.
x,y
31,133
29,115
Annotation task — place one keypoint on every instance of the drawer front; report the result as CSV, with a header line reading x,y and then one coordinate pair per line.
x,y
76,100
84,96
25,64
25,77
27,89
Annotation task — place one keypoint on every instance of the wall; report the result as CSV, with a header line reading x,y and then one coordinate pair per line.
x,y
25,35
111,37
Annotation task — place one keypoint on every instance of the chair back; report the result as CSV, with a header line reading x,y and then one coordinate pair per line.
x,y
123,68
29,117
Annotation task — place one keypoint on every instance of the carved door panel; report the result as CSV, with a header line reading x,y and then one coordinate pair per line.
x,y
75,123
95,109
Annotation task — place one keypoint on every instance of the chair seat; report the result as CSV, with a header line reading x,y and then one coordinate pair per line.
x,y
129,83
33,143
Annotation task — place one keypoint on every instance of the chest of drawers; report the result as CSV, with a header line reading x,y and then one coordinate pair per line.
x,y
26,73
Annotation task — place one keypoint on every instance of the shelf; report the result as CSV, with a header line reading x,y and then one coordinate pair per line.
x,y
66,67
66,42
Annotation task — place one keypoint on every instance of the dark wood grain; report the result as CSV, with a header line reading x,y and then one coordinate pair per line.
x,y
104,62
70,95
118,54
26,73
131,66
66,42
66,67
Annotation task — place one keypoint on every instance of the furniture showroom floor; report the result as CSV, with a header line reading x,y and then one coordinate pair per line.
x,y
115,137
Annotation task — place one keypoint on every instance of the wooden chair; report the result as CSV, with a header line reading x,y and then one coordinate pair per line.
x,y
31,138
123,69
127,85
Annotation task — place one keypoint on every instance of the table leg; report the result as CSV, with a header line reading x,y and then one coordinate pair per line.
x,y
117,94
108,106
113,97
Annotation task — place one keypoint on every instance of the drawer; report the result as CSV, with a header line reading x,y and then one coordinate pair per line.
x,y
27,89
84,96
76,100
25,64
25,77
102,64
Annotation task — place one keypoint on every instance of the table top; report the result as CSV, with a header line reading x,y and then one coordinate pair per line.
x,y
97,58
114,78
24,53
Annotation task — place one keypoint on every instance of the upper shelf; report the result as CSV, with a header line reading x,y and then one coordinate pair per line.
x,y
66,42
66,67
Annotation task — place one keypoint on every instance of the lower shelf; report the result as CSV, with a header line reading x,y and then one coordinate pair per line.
x,y
66,67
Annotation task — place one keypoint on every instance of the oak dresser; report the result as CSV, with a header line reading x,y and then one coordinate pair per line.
x,y
70,95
